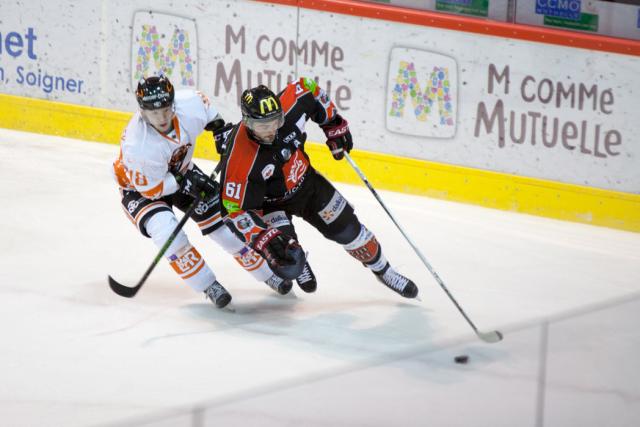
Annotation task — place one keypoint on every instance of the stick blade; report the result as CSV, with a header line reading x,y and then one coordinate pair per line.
x,y
491,337
123,291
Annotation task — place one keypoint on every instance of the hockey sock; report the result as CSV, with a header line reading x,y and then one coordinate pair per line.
x,y
184,258
249,259
366,249
253,263
191,268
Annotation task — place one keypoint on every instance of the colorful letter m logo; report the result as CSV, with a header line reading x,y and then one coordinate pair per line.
x,y
162,43
422,91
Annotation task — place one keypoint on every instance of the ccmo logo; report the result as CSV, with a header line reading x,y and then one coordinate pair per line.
x,y
164,43
422,93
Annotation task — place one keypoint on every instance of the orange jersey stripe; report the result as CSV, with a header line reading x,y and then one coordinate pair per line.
x,y
133,221
241,160
203,224
154,192
289,98
255,266
176,127
146,209
195,270
296,90
121,172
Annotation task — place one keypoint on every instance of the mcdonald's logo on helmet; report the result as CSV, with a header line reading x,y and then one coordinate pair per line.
x,y
260,103
268,104
261,107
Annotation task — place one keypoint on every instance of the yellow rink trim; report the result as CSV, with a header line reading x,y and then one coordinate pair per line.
x,y
491,189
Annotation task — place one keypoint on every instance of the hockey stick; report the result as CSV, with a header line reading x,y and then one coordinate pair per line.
x,y
490,337
130,292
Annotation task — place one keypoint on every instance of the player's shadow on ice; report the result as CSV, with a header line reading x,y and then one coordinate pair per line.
x,y
246,306
348,329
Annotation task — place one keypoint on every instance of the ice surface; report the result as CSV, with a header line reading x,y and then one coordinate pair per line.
x,y
72,353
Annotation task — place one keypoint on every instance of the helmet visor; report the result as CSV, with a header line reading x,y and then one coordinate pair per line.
x,y
267,124
265,129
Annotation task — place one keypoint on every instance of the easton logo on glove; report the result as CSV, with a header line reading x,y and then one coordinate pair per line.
x,y
264,238
338,136
338,131
283,253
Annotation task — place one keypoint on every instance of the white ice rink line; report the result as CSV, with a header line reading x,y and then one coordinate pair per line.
x,y
75,354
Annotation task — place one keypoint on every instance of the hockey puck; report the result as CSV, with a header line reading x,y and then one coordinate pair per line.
x,y
461,359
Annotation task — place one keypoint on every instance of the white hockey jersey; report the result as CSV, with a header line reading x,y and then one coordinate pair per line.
x,y
149,159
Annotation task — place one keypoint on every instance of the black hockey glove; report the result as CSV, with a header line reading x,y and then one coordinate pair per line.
x,y
339,138
220,137
197,184
221,131
283,253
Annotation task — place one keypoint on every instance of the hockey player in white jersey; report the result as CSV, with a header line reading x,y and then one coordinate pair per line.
x,y
155,172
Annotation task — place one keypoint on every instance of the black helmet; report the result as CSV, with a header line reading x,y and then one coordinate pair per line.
x,y
155,92
260,105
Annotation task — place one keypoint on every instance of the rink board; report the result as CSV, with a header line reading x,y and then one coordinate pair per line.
x,y
449,182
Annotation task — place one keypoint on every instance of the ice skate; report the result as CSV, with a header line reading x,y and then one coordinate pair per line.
x,y
397,282
307,280
218,294
279,284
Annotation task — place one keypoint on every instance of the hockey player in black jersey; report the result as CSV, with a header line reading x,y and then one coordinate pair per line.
x,y
267,177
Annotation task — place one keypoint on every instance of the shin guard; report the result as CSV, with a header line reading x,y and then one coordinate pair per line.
x,y
191,268
366,249
253,263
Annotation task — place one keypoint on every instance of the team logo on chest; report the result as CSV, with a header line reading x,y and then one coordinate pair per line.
x,y
178,156
267,172
297,169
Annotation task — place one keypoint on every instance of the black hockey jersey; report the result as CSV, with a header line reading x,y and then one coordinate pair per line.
x,y
256,174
